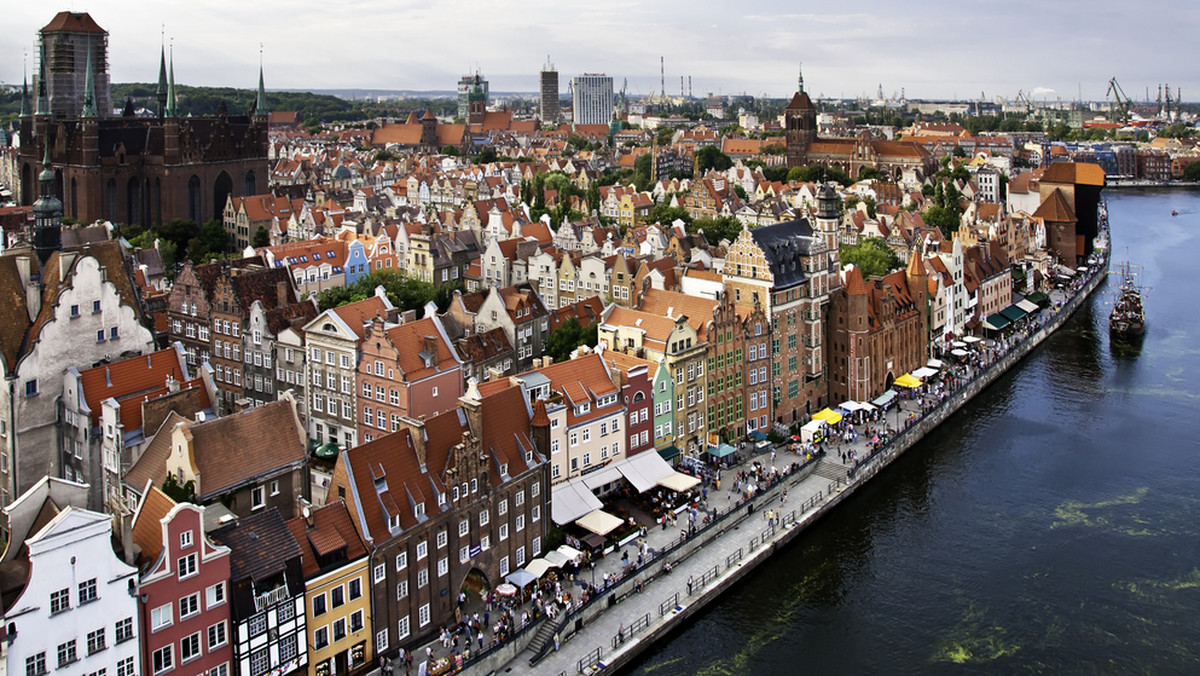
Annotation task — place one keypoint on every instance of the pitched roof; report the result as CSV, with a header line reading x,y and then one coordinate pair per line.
x,y
147,524
260,546
409,339
1055,208
131,381
783,245
332,529
220,445
359,313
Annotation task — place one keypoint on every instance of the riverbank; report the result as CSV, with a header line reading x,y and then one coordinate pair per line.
x,y
1141,183
593,639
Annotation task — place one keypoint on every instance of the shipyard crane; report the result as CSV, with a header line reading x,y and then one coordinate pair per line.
x,y
1123,105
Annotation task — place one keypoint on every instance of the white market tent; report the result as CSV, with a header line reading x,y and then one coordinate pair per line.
x,y
570,553
538,567
679,482
1028,307
924,372
644,470
571,500
601,477
556,558
810,430
972,339
599,522
935,363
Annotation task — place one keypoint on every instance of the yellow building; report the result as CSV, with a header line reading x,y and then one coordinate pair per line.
x,y
336,589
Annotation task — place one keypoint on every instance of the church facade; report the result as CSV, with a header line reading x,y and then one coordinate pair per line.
x,y
128,168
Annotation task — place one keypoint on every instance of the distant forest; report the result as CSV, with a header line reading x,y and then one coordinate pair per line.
x,y
314,109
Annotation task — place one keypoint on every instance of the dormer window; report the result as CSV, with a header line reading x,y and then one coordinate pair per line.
x,y
393,522
419,509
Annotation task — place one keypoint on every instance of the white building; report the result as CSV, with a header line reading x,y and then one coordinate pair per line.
x,y
592,98
78,613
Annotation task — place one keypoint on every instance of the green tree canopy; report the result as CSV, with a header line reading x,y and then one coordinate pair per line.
x,y
570,335
711,157
404,292
944,219
717,229
1192,172
262,237
873,256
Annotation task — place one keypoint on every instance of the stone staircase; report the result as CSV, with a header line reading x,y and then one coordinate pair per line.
x,y
830,470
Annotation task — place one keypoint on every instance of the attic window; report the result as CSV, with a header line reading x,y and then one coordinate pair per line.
x,y
329,254
393,522
419,509
316,256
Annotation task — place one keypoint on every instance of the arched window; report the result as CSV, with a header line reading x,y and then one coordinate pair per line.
x,y
110,200
194,198
249,187
133,201
222,189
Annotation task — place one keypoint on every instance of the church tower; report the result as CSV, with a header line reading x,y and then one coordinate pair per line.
x,y
800,126
47,214
476,102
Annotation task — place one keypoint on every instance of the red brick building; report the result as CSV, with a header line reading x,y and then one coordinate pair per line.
x,y
878,331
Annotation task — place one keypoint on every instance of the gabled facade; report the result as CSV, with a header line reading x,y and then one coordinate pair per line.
x,y
409,369
79,308
78,612
337,590
333,343
268,612
453,502
184,589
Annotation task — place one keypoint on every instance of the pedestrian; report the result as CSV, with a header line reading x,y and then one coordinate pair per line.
x,y
556,644
689,584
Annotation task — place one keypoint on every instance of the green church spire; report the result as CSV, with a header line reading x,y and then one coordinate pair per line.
x,y
89,90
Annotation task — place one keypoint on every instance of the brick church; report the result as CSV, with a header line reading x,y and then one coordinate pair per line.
x,y
129,168
851,155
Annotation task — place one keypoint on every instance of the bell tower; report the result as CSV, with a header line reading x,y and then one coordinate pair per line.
x,y
800,126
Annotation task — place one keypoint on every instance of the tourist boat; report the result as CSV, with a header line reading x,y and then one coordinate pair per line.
x,y
1127,319
1174,212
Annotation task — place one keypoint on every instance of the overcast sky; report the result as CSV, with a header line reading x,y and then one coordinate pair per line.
x,y
931,49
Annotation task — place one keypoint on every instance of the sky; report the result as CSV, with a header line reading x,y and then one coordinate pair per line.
x,y
934,49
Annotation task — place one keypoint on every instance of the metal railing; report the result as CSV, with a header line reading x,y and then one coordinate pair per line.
x,y
669,604
590,659
733,558
627,632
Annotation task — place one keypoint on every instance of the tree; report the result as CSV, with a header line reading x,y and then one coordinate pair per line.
x,y
663,135
711,157
773,149
1192,172
717,229
450,150
177,492
262,237
741,192
869,174
214,237
944,219
958,151
487,156
873,256
593,197
568,336
666,214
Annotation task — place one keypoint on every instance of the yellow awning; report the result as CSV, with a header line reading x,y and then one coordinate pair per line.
x,y
828,415
909,381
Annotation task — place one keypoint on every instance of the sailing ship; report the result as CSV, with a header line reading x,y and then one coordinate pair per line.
x,y
1127,320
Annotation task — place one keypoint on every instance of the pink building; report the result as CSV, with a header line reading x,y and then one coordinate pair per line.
x,y
409,370
184,589
637,395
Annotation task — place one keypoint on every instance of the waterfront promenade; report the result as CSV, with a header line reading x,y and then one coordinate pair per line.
x,y
643,603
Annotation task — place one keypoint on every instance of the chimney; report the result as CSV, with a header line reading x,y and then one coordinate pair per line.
x,y
546,361
408,316
172,383
431,348
281,293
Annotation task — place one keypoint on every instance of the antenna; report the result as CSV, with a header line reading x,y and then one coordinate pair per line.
x,y
662,73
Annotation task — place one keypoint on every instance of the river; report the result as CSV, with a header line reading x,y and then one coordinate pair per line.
x,y
1051,526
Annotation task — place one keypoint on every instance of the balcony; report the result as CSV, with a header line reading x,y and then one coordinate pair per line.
x,y
270,598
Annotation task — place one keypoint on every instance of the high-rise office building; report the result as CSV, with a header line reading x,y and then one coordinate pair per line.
x,y
465,84
549,107
592,98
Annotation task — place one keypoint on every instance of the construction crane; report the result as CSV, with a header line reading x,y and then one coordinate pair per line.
x,y
1122,103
